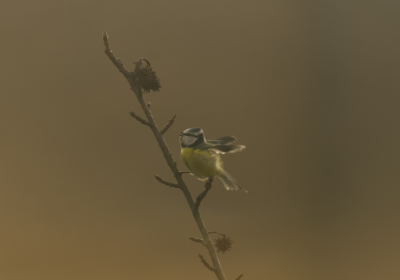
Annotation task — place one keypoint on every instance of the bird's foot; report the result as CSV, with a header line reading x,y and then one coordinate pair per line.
x,y
183,172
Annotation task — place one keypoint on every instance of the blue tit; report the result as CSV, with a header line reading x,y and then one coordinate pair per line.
x,y
203,157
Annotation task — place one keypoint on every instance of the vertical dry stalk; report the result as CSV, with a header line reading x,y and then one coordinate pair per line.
x,y
135,84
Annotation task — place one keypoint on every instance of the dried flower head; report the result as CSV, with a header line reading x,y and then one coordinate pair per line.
x,y
144,76
223,244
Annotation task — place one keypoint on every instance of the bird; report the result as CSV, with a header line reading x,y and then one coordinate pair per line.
x,y
203,158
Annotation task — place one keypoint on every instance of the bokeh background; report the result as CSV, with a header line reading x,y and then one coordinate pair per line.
x,y
310,87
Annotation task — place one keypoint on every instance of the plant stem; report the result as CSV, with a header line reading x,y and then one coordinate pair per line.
x,y
170,160
182,185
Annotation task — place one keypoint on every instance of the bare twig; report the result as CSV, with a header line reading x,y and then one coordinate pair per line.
x,y
204,193
114,60
162,181
105,40
148,105
135,87
206,263
139,119
216,232
240,276
197,240
171,121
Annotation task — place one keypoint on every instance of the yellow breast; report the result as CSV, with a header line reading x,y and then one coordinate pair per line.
x,y
201,163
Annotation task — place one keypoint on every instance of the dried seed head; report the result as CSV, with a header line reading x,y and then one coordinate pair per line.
x,y
145,77
223,244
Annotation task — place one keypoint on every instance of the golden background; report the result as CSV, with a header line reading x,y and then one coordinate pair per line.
x,y
310,87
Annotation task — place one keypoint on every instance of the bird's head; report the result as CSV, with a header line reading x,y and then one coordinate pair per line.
x,y
191,137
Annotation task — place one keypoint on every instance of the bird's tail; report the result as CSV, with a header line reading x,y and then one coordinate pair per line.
x,y
229,182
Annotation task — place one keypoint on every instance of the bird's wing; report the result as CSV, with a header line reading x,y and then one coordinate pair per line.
x,y
223,149
222,140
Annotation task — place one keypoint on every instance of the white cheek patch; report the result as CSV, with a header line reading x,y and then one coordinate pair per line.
x,y
188,140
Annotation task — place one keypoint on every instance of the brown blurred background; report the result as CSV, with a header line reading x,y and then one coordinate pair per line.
x,y
310,87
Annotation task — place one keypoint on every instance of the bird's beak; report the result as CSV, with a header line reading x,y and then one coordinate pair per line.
x,y
180,133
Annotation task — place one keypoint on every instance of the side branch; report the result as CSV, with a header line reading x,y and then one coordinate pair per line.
x,y
171,121
206,263
204,193
240,276
139,119
169,184
197,240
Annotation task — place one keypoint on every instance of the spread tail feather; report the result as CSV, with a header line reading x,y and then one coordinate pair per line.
x,y
229,182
